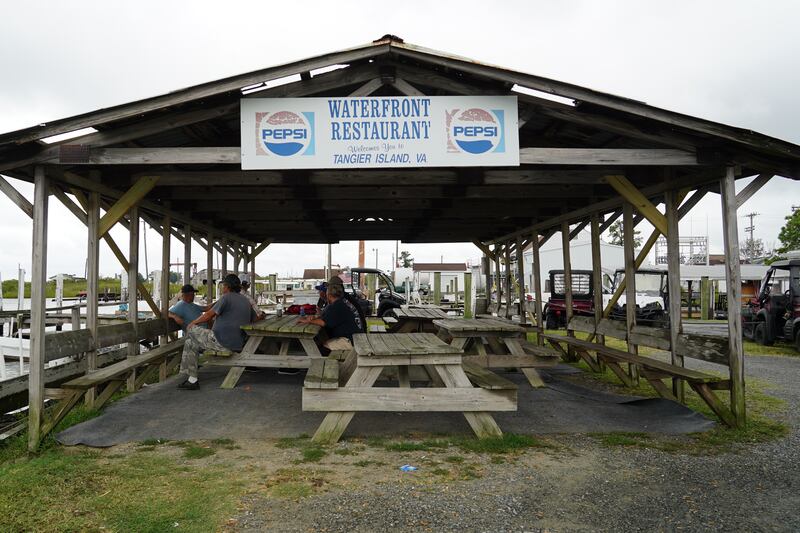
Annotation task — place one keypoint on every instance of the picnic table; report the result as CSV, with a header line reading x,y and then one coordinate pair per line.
x,y
496,343
452,389
415,319
275,342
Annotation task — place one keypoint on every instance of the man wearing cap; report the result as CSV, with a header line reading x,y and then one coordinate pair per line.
x,y
340,317
230,313
185,310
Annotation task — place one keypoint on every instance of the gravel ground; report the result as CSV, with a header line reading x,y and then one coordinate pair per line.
x,y
583,486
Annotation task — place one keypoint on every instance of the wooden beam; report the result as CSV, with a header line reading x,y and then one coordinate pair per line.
x,y
484,248
567,275
752,188
232,156
131,198
368,88
597,274
59,193
258,249
164,293
536,268
92,284
610,219
606,156
674,285
187,254
630,279
406,88
628,190
521,281
14,195
38,310
733,281
133,280
210,269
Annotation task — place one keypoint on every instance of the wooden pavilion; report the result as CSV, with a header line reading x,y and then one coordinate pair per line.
x,y
586,157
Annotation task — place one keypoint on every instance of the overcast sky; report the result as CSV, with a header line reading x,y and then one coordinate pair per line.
x,y
729,61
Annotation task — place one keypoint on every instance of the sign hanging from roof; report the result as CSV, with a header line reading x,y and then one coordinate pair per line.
x,y
370,132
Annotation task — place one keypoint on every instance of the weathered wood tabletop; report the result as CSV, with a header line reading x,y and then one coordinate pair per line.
x,y
268,344
498,344
452,390
415,318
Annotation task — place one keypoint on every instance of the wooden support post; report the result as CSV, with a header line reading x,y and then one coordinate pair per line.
x,y
507,280
536,267
224,245
133,277
210,270
567,276
16,197
486,266
92,283
468,295
521,281
674,286
597,275
627,190
38,309
437,288
630,280
187,254
733,280
164,296
498,285
704,298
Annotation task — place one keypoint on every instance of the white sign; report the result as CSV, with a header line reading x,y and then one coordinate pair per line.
x,y
369,132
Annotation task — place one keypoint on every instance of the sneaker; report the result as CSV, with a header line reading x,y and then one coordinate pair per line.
x,y
288,371
189,386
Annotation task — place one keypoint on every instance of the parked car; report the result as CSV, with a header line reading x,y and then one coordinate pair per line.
x,y
582,297
388,297
775,313
652,298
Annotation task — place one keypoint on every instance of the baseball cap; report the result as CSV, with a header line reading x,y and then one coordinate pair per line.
x,y
322,286
187,288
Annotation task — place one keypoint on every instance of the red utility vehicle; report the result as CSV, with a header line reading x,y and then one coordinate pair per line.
x,y
582,297
775,313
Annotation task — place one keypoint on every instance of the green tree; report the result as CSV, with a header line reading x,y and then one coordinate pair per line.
x,y
174,277
616,236
790,233
407,260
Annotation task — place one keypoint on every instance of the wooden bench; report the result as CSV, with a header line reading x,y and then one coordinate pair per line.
x,y
75,343
708,348
485,378
322,374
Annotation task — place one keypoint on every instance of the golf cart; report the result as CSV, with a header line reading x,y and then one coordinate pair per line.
x,y
582,297
366,280
652,299
775,313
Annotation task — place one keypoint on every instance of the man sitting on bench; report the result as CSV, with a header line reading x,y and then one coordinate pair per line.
x,y
230,313
186,310
338,318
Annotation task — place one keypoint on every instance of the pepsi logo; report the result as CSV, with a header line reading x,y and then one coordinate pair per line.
x,y
285,133
475,130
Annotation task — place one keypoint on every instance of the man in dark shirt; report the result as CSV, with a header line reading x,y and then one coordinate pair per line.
x,y
338,320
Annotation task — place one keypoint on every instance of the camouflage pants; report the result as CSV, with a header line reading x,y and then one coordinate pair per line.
x,y
198,340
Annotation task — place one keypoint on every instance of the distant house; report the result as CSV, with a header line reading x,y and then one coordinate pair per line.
x,y
67,277
319,273
452,274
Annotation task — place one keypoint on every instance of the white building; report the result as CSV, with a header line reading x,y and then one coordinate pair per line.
x,y
580,251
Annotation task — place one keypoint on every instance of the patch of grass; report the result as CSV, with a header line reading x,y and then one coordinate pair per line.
x,y
293,442
497,460
312,454
469,471
345,451
363,463
440,472
621,438
295,483
508,443
198,452
81,490
152,442
146,449
454,459
376,442
227,444
410,446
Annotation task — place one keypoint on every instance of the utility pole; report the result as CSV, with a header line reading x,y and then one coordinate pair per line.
x,y
751,228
